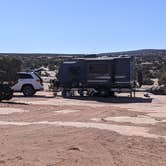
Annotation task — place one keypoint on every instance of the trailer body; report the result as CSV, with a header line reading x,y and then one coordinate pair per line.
x,y
109,74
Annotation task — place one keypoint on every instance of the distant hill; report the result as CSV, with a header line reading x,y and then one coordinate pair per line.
x,y
142,53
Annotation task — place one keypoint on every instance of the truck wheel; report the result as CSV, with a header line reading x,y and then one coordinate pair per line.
x,y
28,91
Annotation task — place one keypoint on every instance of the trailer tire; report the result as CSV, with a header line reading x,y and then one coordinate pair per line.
x,y
63,93
111,94
81,93
67,93
102,92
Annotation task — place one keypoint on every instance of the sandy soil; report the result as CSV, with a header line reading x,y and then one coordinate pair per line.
x,y
48,131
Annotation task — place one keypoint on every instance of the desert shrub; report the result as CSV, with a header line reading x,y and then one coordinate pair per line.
x,y
52,67
148,82
162,79
9,66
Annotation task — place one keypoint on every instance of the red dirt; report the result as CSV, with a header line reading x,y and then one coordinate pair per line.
x,y
66,145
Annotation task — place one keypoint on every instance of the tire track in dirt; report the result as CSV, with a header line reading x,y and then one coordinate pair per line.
x,y
122,130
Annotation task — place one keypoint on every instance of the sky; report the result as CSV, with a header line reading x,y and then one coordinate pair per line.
x,y
81,26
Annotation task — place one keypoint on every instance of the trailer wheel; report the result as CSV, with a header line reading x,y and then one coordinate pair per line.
x,y
103,92
81,93
63,93
111,94
67,93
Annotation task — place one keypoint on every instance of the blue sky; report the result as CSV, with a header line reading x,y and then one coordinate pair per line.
x,y
81,26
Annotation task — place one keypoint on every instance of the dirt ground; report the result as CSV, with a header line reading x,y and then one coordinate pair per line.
x,y
48,131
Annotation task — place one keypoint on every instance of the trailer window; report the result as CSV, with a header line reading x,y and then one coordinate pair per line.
x,y
98,68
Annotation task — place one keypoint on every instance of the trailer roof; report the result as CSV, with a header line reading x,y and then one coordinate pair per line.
x,y
104,58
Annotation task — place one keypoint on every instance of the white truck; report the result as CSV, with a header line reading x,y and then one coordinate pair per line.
x,y
28,83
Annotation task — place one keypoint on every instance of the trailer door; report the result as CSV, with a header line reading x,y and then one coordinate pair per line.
x,y
122,72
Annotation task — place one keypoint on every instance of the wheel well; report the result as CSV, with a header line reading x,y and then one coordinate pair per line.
x,y
27,85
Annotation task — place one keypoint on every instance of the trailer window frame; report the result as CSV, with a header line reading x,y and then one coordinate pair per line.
x,y
98,68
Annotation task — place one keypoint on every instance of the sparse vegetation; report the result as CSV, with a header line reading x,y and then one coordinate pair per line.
x,y
150,62
162,79
9,66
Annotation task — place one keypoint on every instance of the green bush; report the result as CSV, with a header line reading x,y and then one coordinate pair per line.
x,y
9,66
148,82
162,79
